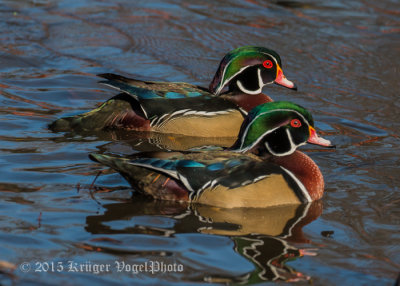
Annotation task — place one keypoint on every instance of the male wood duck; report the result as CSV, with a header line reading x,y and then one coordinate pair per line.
x,y
261,169
182,108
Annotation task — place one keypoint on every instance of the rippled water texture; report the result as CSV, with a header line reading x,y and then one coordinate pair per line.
x,y
344,56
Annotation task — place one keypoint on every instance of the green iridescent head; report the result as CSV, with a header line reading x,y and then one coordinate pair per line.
x,y
280,126
249,69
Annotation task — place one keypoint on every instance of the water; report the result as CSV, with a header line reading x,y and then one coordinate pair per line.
x,y
342,54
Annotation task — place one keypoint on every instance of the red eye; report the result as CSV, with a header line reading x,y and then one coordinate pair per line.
x,y
268,64
295,123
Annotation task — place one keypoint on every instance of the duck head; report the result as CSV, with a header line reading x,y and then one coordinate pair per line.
x,y
248,69
279,128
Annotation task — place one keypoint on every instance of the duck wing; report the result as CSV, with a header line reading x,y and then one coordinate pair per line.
x,y
153,89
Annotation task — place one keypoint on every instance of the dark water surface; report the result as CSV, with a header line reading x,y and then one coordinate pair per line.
x,y
344,56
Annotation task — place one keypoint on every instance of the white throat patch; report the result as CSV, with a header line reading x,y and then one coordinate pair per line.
x,y
293,146
260,85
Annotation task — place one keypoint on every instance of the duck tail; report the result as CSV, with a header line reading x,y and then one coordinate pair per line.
x,y
121,111
109,161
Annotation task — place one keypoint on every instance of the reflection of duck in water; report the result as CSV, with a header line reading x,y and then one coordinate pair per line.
x,y
269,256
263,237
277,175
267,250
182,108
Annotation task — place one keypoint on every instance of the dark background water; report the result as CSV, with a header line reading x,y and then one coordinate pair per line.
x,y
344,56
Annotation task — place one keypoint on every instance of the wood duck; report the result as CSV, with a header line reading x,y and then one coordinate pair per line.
x,y
261,169
182,108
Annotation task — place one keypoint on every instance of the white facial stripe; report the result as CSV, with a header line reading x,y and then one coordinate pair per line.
x,y
269,131
257,141
260,85
291,150
243,89
229,79
300,184
293,147
260,81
